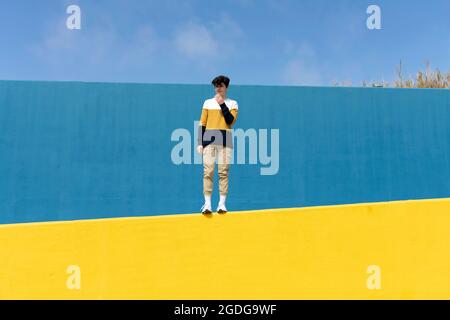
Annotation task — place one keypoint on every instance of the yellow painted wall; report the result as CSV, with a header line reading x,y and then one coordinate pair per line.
x,y
305,253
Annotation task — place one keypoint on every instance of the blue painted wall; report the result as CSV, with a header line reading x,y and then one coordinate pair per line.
x,y
91,150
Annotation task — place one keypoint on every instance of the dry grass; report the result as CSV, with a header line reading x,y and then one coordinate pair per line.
x,y
423,79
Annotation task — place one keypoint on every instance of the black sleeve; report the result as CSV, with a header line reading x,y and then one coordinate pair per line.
x,y
226,113
201,133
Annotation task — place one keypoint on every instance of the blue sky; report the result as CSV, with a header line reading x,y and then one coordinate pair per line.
x,y
262,42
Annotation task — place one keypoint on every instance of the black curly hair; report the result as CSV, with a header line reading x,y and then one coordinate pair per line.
x,y
219,80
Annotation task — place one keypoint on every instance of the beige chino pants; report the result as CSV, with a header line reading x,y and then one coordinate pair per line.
x,y
211,153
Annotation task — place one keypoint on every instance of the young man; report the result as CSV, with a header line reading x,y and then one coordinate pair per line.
x,y
215,141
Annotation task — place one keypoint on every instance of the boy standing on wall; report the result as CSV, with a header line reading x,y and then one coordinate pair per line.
x,y
215,140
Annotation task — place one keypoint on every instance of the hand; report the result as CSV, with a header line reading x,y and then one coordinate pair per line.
x,y
219,99
200,149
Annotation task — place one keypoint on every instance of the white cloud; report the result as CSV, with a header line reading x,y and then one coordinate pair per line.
x,y
111,51
302,67
102,44
194,40
142,47
214,40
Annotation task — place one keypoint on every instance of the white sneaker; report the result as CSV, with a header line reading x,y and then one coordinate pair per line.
x,y
206,209
221,208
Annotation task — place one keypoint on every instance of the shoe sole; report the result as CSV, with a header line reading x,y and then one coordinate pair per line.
x,y
221,211
207,211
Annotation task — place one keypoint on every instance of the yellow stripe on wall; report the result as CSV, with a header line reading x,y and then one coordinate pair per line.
x,y
306,253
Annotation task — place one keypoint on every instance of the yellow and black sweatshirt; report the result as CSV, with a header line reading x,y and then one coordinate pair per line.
x,y
216,122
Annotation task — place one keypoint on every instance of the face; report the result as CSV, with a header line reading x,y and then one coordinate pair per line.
x,y
221,89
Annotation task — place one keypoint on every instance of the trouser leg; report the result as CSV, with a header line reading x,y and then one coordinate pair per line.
x,y
224,160
209,158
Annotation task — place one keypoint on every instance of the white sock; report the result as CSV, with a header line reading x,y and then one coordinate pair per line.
x,y
222,199
208,200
